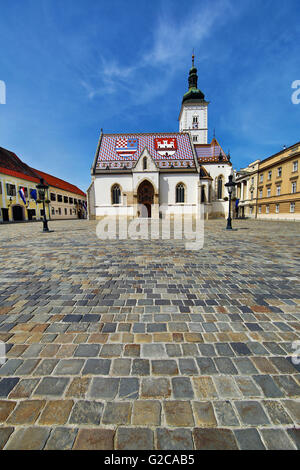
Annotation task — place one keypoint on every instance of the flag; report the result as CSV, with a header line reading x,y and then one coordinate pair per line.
x,y
237,202
126,147
85,206
22,195
33,194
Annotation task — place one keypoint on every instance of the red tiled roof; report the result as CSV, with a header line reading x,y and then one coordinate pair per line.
x,y
58,183
18,174
11,165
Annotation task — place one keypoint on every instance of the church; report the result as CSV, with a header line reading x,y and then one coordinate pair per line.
x,y
162,174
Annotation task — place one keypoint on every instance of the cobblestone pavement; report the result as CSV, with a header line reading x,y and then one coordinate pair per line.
x,y
145,345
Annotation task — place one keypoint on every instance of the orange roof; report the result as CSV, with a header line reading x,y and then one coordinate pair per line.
x,y
58,183
18,174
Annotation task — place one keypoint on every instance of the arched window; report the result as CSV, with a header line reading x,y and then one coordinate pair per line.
x,y
116,194
145,163
180,192
220,188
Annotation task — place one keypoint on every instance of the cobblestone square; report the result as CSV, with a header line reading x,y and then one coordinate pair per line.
x,y
142,344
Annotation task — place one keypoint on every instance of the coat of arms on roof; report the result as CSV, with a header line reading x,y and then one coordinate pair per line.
x,y
166,146
126,147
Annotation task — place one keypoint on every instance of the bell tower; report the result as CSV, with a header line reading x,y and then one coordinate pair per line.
x,y
193,113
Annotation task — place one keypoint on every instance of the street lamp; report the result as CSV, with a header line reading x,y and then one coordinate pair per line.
x,y
42,188
230,185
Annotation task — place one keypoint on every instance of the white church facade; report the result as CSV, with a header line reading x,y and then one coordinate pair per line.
x,y
162,174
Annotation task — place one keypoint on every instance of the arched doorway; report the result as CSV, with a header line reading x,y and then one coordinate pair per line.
x,y
145,196
17,212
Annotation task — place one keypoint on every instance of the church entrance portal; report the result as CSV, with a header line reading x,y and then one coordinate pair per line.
x,y
146,198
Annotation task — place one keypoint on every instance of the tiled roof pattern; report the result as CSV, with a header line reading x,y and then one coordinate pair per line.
x,y
58,183
108,158
210,152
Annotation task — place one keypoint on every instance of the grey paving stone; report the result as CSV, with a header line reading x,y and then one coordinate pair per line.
x,y
206,366
226,387
111,350
29,438
288,385
241,349
268,386
86,412
173,350
182,387
251,413
153,351
174,439
104,387
214,439
277,412
225,413
61,438
277,439
10,366
225,365
69,367
187,366
4,435
140,367
164,367
45,367
134,439
249,439
87,350
294,434
121,367
52,386
97,367
129,388
224,349
245,365
7,384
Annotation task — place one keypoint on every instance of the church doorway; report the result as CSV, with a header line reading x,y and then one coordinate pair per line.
x,y
145,197
17,212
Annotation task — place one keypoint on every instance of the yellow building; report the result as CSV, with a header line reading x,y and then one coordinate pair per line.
x,y
70,201
278,186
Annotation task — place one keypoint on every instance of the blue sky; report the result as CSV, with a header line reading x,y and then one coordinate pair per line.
x,y
74,67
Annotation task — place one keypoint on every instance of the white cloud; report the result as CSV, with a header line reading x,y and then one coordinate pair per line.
x,y
172,41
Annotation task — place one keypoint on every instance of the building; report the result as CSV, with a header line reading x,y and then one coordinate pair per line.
x,y
157,174
278,190
246,190
18,194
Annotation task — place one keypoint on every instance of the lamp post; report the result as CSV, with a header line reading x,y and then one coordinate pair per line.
x,y
42,188
230,185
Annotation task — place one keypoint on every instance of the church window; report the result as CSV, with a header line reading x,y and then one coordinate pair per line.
x,y
145,163
195,138
180,193
116,194
220,187
195,122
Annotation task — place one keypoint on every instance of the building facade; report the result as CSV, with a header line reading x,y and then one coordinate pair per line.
x,y
270,188
19,196
279,186
158,174
246,191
